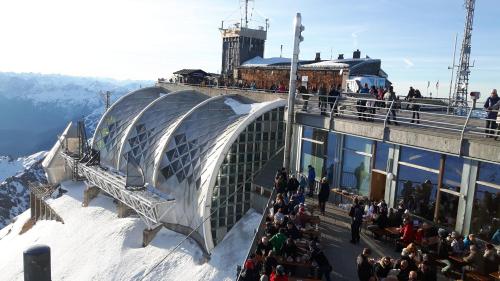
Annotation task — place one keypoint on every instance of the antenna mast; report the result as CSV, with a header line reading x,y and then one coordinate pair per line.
x,y
462,82
246,19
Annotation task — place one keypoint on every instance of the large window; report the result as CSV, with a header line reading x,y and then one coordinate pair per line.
x,y
419,157
452,173
260,141
313,150
332,158
417,189
381,156
486,210
356,165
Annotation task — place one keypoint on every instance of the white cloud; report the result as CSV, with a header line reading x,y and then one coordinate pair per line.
x,y
408,62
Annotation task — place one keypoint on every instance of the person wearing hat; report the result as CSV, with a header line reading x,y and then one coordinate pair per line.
x,y
279,274
492,116
323,195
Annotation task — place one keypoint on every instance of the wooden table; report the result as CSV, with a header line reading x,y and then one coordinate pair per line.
x,y
457,260
495,275
393,231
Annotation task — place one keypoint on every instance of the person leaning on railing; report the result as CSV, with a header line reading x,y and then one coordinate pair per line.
x,y
492,116
495,107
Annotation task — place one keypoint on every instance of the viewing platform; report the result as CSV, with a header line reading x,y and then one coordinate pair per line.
x,y
439,128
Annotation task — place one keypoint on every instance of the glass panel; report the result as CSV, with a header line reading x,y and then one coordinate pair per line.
x,y
312,154
489,173
358,144
448,207
417,190
486,213
331,155
356,173
382,155
307,132
420,157
452,173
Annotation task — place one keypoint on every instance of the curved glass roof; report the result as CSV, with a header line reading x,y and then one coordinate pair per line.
x,y
147,130
109,134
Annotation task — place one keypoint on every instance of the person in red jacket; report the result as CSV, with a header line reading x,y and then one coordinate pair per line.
x,y
279,274
406,231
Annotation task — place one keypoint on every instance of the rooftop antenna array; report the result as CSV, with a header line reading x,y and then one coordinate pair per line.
x,y
463,70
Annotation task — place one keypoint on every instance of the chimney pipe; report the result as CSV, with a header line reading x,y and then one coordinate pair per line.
x,y
356,54
318,57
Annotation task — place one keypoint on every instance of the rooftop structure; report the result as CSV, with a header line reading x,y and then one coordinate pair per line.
x,y
196,156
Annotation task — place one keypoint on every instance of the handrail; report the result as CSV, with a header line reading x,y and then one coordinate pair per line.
x,y
463,132
259,230
387,114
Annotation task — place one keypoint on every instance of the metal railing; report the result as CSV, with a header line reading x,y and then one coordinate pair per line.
x,y
149,205
416,113
259,232
430,114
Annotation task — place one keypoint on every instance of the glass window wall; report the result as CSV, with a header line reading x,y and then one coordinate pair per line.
x,y
420,157
382,156
485,219
332,157
313,150
417,190
356,165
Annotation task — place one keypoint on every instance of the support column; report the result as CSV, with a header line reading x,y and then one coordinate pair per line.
x,y
439,185
149,234
391,184
37,208
32,205
467,190
90,192
123,210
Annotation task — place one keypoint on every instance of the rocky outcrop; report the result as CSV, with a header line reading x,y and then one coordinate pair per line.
x,y
14,192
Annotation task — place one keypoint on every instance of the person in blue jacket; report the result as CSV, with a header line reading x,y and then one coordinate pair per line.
x,y
311,178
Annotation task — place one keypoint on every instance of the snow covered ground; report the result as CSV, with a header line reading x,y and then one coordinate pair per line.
x,y
10,167
93,244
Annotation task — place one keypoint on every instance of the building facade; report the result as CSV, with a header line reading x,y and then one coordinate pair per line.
x,y
240,44
200,152
454,192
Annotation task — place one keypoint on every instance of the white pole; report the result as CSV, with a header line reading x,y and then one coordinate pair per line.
x,y
452,67
298,27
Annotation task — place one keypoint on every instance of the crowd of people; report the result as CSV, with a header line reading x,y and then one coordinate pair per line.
x,y
424,249
290,237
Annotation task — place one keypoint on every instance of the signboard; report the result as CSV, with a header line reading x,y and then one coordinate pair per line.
x,y
305,79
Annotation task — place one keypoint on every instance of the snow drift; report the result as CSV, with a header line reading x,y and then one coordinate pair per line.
x,y
93,244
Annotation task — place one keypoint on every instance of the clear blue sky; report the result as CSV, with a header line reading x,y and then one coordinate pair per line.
x,y
152,38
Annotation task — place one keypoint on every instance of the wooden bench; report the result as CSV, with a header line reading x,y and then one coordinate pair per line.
x,y
477,276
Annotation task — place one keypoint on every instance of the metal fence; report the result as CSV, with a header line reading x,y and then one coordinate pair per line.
x,y
418,113
430,114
